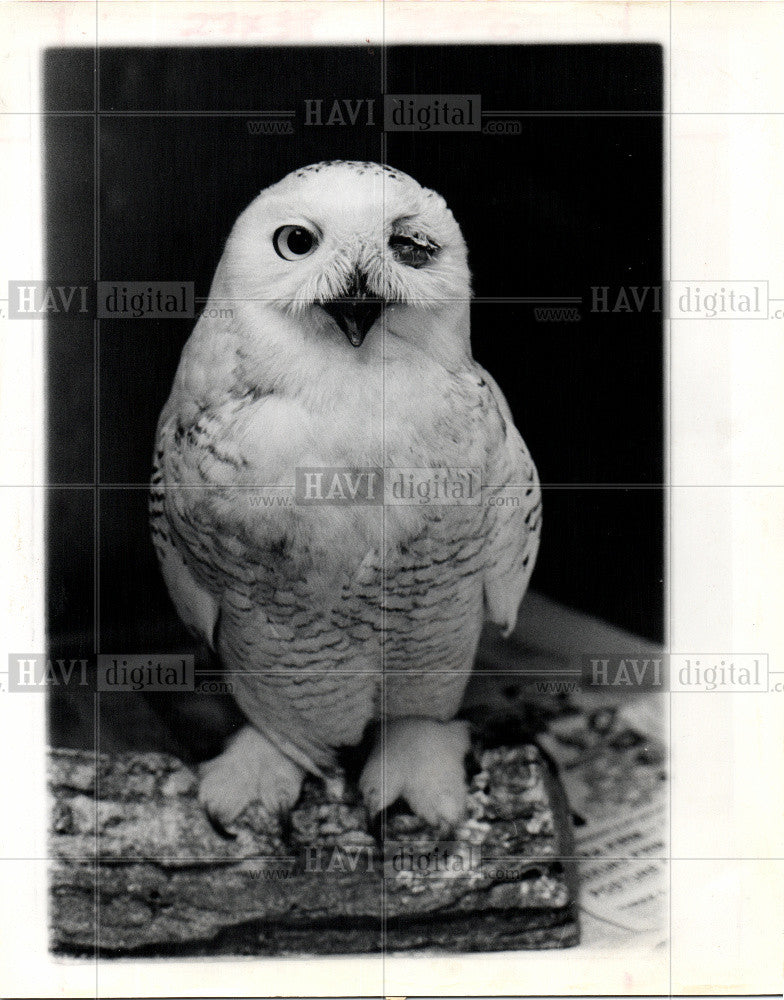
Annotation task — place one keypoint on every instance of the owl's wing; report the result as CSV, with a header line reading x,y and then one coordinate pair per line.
x,y
197,558
197,604
512,494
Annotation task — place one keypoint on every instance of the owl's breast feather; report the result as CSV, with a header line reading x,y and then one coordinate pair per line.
x,y
403,415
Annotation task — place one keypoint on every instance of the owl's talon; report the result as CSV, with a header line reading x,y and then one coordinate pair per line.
x,y
250,769
372,799
421,760
226,830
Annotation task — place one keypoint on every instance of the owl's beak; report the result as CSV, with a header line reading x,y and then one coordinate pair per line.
x,y
356,311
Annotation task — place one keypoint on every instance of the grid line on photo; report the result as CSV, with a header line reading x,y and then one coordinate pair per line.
x,y
533,857
132,858
97,476
288,114
668,382
97,841
383,721
574,487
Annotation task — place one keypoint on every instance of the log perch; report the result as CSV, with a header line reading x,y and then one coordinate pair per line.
x,y
139,870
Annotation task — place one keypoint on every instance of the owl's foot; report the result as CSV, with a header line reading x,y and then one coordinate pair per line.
x,y
423,761
250,769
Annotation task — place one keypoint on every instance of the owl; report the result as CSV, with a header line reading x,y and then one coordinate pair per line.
x,y
335,346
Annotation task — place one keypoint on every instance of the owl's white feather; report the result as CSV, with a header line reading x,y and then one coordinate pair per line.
x,y
331,616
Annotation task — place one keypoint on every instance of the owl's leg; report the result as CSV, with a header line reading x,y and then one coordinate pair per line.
x,y
250,769
423,761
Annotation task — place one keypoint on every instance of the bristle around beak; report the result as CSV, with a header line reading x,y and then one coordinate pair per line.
x,y
356,311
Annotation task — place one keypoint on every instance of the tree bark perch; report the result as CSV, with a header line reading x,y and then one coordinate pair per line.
x,y
138,869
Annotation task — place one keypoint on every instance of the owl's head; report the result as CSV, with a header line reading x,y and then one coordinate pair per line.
x,y
346,248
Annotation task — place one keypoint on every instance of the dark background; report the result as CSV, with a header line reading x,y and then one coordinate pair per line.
x,y
573,201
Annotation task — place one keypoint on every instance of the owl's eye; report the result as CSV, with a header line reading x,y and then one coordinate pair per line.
x,y
294,242
413,248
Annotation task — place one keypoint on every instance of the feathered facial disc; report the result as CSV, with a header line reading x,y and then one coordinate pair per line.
x,y
339,241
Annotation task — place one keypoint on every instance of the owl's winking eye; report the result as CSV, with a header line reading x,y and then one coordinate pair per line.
x,y
413,248
294,242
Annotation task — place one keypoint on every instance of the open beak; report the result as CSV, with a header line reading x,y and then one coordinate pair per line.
x,y
356,311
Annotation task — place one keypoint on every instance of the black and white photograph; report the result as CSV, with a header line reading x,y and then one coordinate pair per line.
x,y
359,501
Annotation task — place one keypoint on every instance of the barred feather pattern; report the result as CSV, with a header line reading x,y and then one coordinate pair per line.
x,y
312,663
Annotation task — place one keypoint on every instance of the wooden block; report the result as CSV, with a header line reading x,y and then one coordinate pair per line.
x,y
139,870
